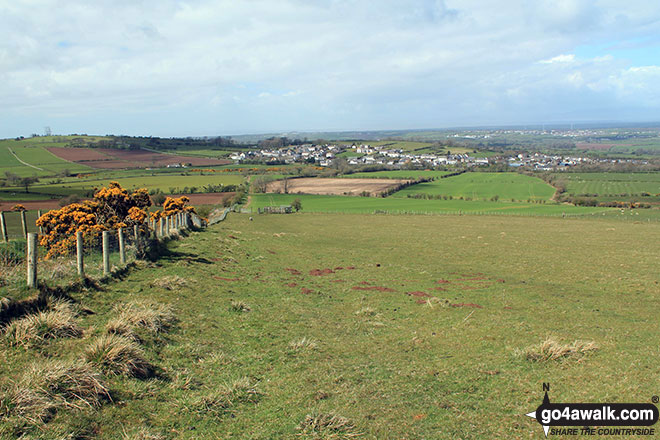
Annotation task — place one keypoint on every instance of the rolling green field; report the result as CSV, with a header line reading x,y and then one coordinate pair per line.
x,y
480,186
161,181
343,204
41,161
611,184
423,327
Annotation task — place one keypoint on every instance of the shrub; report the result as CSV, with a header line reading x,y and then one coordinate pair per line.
x,y
111,208
173,206
117,355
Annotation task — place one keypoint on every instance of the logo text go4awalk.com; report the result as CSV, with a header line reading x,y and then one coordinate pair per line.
x,y
625,419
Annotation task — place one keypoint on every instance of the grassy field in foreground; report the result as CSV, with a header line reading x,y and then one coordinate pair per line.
x,y
265,337
369,205
480,186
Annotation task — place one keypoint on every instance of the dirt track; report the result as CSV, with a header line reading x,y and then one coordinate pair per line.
x,y
349,187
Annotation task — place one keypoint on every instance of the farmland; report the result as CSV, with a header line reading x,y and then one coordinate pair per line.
x,y
479,186
635,187
348,187
112,158
36,160
294,322
342,204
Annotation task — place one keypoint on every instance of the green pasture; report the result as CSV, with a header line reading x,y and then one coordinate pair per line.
x,y
43,163
606,184
418,330
162,182
480,186
344,204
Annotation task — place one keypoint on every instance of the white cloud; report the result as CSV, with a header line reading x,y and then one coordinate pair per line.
x,y
294,64
568,58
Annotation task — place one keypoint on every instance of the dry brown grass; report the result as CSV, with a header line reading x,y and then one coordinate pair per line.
x,y
327,427
552,350
172,282
47,387
239,306
304,344
142,434
221,400
59,322
141,314
366,311
118,355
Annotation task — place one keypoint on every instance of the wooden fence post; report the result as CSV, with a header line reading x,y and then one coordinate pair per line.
x,y
106,252
24,224
39,214
122,247
3,226
32,260
79,254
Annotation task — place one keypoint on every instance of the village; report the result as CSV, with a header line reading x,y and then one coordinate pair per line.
x,y
327,155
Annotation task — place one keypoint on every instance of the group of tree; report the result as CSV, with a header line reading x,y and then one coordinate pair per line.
x,y
12,179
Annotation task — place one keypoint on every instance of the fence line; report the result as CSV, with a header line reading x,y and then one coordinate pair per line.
x,y
159,230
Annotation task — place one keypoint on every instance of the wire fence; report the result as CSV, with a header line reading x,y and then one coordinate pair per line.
x,y
25,263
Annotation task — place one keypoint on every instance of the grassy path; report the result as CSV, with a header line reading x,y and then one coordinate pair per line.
x,y
23,162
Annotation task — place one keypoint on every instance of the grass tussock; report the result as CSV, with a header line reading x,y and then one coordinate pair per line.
x,y
239,306
142,434
44,388
172,282
141,314
552,350
221,400
4,301
327,427
304,344
366,311
118,355
35,329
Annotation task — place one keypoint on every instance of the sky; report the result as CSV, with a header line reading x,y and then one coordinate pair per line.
x,y
207,68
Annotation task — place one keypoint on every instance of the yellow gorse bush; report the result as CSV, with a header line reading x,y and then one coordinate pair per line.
x,y
112,208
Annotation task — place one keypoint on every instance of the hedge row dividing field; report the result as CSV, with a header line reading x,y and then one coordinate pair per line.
x,y
311,326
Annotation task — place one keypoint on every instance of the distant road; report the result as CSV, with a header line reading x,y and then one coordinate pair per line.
x,y
23,162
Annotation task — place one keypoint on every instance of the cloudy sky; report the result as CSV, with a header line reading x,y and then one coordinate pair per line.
x,y
198,67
